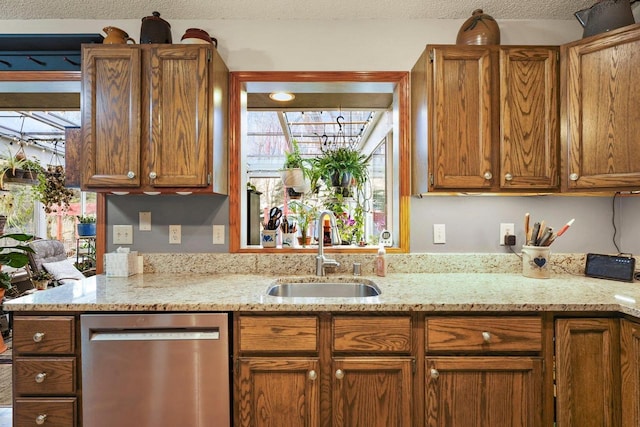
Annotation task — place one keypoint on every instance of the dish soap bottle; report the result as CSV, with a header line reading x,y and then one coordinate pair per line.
x,y
381,261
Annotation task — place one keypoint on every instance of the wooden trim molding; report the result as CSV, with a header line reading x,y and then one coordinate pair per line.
x,y
237,82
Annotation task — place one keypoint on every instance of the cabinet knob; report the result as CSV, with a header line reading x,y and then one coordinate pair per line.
x,y
574,177
131,174
41,377
40,419
434,373
38,336
339,374
486,336
153,175
508,177
488,175
313,375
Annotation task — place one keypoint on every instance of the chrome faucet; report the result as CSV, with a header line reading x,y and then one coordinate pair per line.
x,y
321,260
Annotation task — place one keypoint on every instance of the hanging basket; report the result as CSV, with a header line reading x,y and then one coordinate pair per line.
x,y
292,177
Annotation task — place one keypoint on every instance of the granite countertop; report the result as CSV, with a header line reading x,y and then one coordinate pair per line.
x,y
431,292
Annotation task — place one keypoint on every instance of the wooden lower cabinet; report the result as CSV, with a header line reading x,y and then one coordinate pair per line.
x,y
469,391
279,392
587,372
630,372
372,392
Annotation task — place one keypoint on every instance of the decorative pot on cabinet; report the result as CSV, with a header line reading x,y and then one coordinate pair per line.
x,y
155,30
480,29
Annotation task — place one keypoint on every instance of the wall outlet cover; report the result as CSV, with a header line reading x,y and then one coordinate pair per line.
x,y
123,234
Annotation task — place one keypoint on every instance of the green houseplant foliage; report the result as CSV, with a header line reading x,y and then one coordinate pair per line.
x,y
86,225
13,256
341,164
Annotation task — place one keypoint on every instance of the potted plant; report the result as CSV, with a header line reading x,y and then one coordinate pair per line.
x,y
13,256
32,168
86,225
341,167
41,279
305,215
51,191
294,173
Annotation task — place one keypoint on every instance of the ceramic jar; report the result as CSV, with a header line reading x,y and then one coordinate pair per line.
x,y
116,36
155,30
480,29
197,36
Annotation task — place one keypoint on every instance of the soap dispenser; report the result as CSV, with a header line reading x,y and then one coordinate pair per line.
x,y
381,261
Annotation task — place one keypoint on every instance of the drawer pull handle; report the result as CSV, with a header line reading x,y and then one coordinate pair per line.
x,y
487,175
41,377
40,419
313,375
486,336
508,177
434,373
38,336
153,175
574,177
339,374
131,174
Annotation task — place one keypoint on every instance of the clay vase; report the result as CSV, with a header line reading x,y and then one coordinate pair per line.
x,y
197,36
155,30
480,29
116,36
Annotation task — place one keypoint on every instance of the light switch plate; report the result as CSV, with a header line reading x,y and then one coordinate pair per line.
x,y
218,234
439,236
175,234
144,221
123,234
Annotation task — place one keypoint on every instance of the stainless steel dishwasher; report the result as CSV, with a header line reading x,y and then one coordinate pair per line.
x,y
144,370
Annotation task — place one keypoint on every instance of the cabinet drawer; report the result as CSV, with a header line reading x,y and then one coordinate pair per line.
x,y
278,333
45,375
44,334
372,334
484,334
48,412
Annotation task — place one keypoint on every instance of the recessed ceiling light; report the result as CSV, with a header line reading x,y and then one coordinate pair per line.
x,y
281,96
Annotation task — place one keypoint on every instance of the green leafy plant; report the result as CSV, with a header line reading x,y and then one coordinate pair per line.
x,y
337,165
13,256
304,214
41,275
86,219
5,280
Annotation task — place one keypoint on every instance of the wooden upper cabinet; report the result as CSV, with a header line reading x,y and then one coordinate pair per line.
x,y
491,118
154,117
529,112
461,117
111,82
603,122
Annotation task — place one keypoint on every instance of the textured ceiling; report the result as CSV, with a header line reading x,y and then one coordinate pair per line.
x,y
290,9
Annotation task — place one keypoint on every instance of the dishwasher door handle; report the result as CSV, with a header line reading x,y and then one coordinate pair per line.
x,y
155,335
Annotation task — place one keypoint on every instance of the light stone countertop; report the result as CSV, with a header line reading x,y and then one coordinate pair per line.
x,y
401,292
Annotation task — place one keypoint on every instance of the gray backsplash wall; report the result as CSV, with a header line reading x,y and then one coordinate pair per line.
x,y
472,222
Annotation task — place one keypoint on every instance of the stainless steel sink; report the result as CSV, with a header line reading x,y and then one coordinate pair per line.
x,y
336,288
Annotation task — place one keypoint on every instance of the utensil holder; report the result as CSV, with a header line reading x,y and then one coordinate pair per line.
x,y
288,240
535,262
268,238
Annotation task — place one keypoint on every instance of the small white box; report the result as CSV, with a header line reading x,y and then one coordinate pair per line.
x,y
122,264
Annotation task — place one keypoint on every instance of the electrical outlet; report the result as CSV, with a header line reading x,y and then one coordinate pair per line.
x,y
439,235
144,221
506,228
123,234
175,234
218,234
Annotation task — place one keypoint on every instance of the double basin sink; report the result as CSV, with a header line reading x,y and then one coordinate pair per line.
x,y
324,287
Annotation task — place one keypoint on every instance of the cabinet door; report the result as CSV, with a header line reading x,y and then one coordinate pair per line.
x,y
276,392
529,128
461,85
602,116
586,373
179,122
483,391
372,392
630,368
111,116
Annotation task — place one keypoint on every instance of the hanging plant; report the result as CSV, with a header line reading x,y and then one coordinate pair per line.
x,y
51,190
